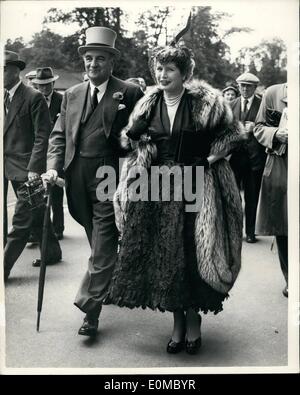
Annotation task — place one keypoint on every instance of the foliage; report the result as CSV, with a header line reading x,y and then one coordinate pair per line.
x,y
154,23
87,17
17,45
45,50
212,54
268,61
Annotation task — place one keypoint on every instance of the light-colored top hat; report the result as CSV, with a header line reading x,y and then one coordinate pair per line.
x,y
247,78
44,75
99,38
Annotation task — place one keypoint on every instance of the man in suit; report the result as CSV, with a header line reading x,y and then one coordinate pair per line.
x,y
44,82
248,161
82,142
25,141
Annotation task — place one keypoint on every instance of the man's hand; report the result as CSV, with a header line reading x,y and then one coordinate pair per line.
x,y
247,130
282,136
32,175
50,177
249,126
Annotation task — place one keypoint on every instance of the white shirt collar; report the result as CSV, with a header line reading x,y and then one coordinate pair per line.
x,y
101,88
48,98
250,100
12,91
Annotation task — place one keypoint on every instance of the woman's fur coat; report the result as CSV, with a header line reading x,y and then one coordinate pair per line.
x,y
218,226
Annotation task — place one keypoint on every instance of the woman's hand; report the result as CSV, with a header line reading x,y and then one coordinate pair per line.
x,y
50,177
215,157
32,175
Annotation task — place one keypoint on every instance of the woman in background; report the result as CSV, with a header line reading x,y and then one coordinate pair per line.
x,y
230,93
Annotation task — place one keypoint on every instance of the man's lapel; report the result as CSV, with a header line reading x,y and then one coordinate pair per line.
x,y
253,109
76,107
15,106
236,108
110,105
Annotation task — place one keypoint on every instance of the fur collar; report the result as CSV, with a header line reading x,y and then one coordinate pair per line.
x,y
209,110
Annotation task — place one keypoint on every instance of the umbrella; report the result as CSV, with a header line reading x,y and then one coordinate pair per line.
x,y
42,276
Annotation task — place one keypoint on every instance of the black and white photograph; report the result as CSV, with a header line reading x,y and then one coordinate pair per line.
x,y
150,194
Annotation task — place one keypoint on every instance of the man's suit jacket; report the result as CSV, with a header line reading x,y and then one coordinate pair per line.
x,y
275,101
54,108
251,150
26,132
118,102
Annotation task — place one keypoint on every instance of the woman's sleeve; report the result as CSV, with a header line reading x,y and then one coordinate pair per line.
x,y
227,133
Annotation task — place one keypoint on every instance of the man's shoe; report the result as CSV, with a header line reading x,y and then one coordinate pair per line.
x,y
59,235
89,327
32,240
37,262
285,291
251,239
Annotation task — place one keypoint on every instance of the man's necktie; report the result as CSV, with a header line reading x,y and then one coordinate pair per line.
x,y
6,101
48,100
95,98
245,110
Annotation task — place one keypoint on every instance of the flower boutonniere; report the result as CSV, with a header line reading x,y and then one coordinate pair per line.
x,y
118,96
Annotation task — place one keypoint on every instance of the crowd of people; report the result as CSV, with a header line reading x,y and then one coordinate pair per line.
x,y
155,253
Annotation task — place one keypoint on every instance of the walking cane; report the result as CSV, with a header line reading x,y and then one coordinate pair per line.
x,y
42,276
43,255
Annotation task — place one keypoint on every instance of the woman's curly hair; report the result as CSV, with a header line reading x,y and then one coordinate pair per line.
x,y
181,56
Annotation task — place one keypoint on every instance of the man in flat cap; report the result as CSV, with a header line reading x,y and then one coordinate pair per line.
x,y
26,132
248,161
82,142
44,82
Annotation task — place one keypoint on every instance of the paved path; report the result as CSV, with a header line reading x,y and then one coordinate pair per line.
x,y
251,331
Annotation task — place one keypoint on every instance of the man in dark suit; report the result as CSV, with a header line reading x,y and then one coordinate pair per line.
x,y
44,82
248,161
25,141
83,142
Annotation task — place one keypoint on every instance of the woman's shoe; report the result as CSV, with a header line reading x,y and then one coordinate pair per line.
x,y
174,347
192,346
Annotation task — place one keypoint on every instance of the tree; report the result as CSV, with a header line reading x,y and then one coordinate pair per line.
x,y
87,17
17,45
272,57
153,23
133,61
69,48
45,50
211,52
267,60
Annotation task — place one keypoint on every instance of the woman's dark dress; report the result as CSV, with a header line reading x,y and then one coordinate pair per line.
x,y
157,266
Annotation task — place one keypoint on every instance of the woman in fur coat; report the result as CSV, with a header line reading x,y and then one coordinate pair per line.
x,y
173,258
